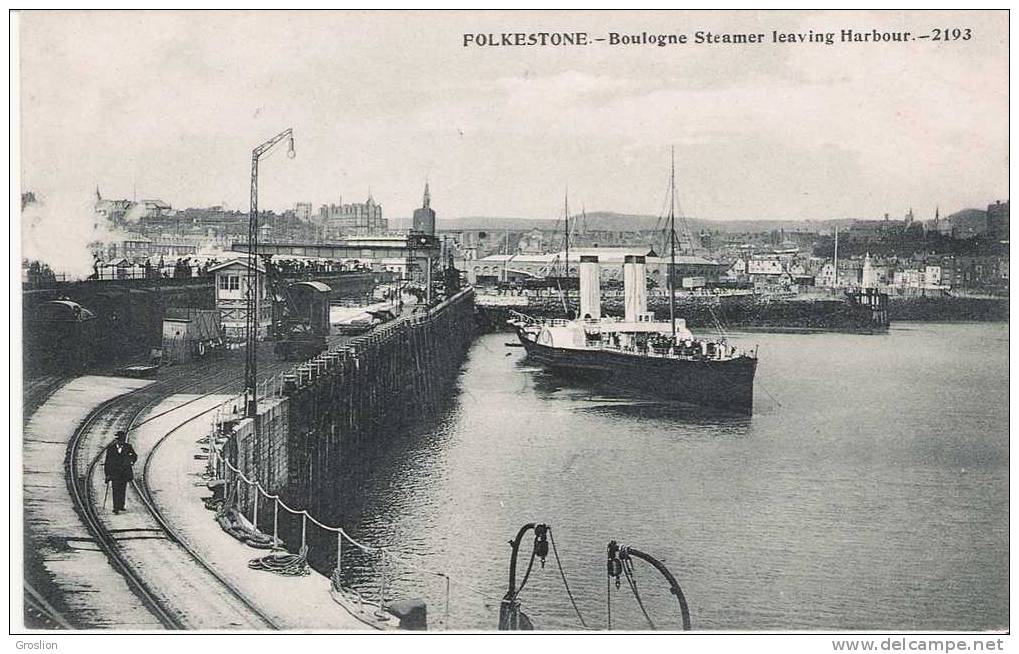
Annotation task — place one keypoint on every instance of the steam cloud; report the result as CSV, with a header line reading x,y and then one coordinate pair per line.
x,y
58,228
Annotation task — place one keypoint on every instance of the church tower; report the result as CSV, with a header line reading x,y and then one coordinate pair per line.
x,y
424,218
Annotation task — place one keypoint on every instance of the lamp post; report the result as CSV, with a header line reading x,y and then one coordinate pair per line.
x,y
252,291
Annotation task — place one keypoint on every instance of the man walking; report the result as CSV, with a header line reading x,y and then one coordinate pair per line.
x,y
120,456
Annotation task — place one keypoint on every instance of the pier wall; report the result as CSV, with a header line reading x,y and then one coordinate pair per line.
x,y
263,454
345,399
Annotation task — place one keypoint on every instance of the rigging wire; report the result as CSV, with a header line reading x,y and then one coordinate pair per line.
x,y
608,601
663,211
677,212
632,582
527,575
718,324
562,574
765,388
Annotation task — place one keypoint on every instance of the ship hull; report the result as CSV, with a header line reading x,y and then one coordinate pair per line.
x,y
726,385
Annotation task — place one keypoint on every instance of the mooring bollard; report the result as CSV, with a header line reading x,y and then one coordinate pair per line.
x,y
380,613
445,621
304,528
339,552
275,522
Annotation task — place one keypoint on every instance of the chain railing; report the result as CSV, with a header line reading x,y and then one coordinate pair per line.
x,y
220,467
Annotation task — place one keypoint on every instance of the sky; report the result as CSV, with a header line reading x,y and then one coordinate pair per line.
x,y
170,104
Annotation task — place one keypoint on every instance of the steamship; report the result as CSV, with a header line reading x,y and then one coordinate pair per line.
x,y
638,353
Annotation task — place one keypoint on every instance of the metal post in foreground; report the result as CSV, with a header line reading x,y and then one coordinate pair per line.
x,y
253,287
275,522
618,554
509,610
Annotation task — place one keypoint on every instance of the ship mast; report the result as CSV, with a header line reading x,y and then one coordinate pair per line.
x,y
672,244
836,282
566,204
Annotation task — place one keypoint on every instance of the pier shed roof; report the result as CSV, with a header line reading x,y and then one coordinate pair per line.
x,y
237,262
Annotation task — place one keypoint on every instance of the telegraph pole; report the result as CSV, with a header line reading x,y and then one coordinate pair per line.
x,y
251,292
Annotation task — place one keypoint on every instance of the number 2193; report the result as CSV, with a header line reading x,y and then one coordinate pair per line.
x,y
951,34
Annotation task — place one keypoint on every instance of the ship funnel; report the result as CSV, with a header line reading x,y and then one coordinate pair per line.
x,y
634,286
590,288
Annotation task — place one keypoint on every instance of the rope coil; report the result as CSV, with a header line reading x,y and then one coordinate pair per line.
x,y
283,563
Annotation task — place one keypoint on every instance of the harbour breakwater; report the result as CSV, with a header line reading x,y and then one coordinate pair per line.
x,y
949,308
760,313
331,408
738,312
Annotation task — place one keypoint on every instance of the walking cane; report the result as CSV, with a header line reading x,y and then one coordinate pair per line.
x,y
106,494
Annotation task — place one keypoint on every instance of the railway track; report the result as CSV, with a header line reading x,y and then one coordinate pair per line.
x,y
80,487
170,579
145,493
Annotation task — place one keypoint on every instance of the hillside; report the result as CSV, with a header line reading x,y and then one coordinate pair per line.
x,y
480,222
620,222
968,220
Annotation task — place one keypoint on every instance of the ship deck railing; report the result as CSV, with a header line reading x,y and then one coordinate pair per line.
x,y
654,354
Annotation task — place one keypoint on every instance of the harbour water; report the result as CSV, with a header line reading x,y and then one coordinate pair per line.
x,y
869,490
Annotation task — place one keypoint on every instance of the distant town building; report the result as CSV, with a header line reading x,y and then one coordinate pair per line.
x,y
137,230
122,245
517,267
353,220
113,211
825,277
424,218
849,272
997,220
938,224
757,267
303,210
932,275
533,242
872,231
907,278
121,214
150,209
738,269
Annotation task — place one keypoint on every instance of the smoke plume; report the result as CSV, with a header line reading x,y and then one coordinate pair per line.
x,y
57,229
